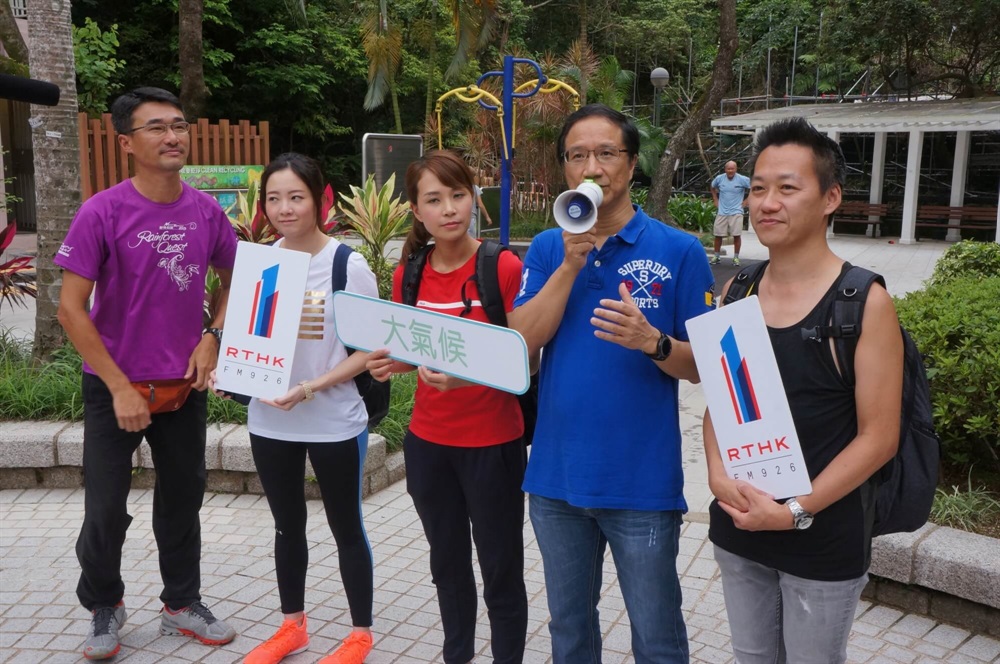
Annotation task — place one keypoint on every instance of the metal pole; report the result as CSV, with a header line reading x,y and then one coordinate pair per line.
x,y
690,59
767,91
819,44
795,55
507,155
656,107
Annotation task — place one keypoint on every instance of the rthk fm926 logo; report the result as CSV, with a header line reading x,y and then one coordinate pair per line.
x,y
644,279
250,363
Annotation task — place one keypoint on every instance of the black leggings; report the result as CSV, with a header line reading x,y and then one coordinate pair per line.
x,y
338,466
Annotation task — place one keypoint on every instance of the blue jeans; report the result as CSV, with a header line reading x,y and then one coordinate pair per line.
x,y
776,618
572,541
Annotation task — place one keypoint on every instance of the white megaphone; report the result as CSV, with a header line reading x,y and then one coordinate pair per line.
x,y
576,210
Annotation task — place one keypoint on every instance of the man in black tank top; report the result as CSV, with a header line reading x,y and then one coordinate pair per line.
x,y
793,571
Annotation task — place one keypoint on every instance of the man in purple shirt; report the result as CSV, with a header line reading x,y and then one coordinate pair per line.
x,y
142,248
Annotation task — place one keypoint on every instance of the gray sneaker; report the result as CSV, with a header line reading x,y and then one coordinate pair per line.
x,y
197,621
102,639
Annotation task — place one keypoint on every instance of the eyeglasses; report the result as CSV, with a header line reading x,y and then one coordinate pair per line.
x,y
159,130
604,155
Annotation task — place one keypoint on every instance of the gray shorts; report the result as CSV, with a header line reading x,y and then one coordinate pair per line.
x,y
727,224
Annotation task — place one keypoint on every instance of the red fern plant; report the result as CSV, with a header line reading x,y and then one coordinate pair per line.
x,y
14,282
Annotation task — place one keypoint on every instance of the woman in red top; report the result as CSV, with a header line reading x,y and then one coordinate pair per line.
x,y
464,452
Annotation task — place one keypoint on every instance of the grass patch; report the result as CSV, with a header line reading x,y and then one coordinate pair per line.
x,y
52,392
972,508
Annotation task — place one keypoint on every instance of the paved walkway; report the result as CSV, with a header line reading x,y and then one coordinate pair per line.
x,y
40,620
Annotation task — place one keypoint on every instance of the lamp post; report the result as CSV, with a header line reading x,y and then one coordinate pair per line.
x,y
659,77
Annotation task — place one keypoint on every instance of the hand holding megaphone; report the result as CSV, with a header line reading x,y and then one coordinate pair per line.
x,y
576,210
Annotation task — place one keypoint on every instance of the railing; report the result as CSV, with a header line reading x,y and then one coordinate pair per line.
x,y
104,163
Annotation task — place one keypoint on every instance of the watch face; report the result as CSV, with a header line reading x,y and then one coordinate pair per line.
x,y
803,522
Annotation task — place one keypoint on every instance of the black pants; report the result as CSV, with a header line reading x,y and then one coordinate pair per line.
x,y
338,466
452,487
177,441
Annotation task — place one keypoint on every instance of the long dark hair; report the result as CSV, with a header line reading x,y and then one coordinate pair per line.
x,y
306,169
452,171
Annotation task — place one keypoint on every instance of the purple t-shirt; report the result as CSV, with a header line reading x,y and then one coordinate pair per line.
x,y
148,261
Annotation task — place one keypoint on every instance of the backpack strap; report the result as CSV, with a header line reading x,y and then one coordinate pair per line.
x,y
745,282
488,281
845,317
412,272
340,259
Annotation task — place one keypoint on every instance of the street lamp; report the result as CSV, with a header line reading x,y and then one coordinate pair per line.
x,y
659,77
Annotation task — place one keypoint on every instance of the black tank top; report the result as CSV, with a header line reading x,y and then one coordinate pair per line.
x,y
835,547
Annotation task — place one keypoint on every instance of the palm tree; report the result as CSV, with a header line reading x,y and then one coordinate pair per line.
x,y
56,147
383,44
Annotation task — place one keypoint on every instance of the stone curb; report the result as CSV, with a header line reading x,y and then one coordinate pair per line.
x,y
949,562
50,455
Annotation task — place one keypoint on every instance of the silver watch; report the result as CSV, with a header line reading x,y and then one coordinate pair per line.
x,y
801,518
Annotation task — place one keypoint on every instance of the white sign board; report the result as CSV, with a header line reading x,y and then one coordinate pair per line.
x,y
746,398
480,353
262,320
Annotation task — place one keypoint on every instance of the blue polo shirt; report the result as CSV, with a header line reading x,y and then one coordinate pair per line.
x,y
731,192
607,434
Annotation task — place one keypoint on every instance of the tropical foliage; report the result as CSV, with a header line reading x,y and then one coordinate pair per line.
x,y
376,217
14,282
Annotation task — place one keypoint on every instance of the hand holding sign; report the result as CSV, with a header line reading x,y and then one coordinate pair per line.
x,y
747,402
461,348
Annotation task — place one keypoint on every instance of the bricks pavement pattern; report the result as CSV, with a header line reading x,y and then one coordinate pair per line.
x,y
41,621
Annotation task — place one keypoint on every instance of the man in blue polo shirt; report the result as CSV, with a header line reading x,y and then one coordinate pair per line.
x,y
730,191
609,308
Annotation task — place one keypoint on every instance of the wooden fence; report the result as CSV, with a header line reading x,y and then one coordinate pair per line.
x,y
103,162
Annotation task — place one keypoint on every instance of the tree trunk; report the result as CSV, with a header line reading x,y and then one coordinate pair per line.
x,y
189,50
722,76
431,71
56,147
10,37
584,28
395,104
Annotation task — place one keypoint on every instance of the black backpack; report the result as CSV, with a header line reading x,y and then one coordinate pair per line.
x,y
488,283
375,394
905,486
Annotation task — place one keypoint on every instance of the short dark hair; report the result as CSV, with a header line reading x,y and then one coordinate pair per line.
x,y
124,106
828,158
306,169
630,134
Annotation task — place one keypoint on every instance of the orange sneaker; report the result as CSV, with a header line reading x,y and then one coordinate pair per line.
x,y
353,650
290,638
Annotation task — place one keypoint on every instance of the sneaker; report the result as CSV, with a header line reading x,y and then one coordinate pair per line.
x,y
291,638
736,260
197,621
353,650
102,639
714,260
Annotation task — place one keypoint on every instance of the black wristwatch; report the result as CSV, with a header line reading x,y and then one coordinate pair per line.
x,y
663,348
215,332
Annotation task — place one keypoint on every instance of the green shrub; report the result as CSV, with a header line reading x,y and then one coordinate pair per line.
x,y
383,269
968,259
691,212
956,326
639,195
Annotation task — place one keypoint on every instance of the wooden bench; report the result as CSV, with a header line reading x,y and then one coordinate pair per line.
x,y
861,212
966,217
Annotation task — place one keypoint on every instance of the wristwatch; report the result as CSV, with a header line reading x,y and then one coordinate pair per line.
x,y
663,348
801,518
215,332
